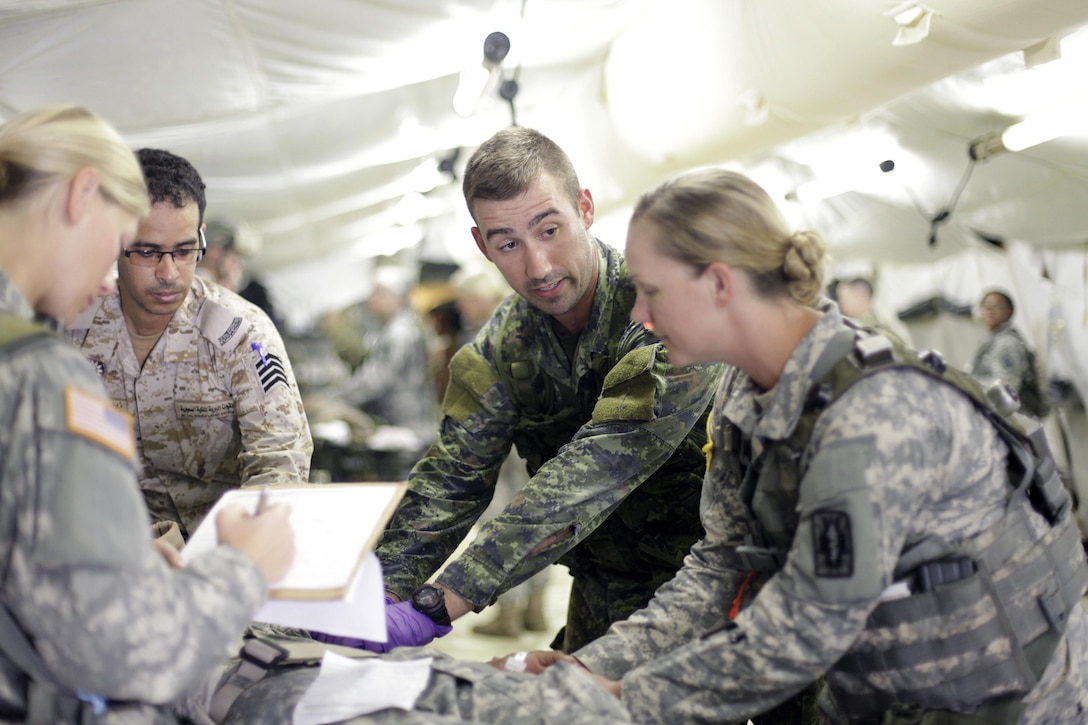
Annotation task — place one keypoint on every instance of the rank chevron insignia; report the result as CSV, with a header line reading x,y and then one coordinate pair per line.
x,y
270,368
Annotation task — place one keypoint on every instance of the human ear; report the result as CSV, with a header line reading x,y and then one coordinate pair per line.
x,y
479,238
82,190
721,276
586,208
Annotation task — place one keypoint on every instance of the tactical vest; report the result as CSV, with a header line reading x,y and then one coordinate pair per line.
x,y
16,332
1004,594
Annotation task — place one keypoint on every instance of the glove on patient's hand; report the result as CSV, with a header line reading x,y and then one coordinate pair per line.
x,y
405,625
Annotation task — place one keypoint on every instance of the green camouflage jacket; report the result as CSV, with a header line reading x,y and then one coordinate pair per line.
x,y
613,443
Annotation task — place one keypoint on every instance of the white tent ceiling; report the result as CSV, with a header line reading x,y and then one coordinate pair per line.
x,y
323,123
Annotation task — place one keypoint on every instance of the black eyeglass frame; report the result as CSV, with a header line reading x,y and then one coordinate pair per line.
x,y
199,250
144,252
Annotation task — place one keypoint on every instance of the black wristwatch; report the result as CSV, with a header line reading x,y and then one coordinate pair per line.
x,y
430,600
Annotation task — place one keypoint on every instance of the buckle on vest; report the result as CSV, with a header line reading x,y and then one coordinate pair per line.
x,y
935,361
257,657
874,350
262,653
931,575
819,397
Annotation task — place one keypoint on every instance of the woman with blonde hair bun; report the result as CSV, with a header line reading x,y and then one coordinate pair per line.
x,y
858,504
93,622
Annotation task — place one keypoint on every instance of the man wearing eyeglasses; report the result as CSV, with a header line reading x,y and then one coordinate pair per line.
x,y
203,372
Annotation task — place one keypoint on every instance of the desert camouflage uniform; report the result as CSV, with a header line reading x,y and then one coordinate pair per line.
x,y
211,413
77,569
902,458
613,443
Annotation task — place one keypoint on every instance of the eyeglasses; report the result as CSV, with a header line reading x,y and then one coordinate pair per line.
x,y
185,257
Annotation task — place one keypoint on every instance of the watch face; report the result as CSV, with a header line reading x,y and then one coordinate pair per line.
x,y
428,596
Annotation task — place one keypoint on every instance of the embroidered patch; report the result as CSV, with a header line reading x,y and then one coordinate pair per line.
x,y
187,409
270,368
233,328
100,367
98,420
833,544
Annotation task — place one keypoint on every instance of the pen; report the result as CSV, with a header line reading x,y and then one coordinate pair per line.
x,y
257,346
262,501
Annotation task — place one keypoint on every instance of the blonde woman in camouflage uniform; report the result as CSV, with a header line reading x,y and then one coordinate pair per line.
x,y
878,514
86,604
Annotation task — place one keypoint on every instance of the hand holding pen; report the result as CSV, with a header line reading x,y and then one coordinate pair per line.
x,y
265,535
262,501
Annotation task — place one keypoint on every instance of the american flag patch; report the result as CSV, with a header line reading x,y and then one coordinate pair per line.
x,y
270,368
94,418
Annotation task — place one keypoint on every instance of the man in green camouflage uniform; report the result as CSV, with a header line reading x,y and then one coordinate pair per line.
x,y
203,372
612,433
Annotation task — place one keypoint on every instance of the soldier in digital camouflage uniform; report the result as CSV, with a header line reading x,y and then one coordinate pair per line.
x,y
611,431
899,472
1004,354
867,518
395,384
102,611
203,372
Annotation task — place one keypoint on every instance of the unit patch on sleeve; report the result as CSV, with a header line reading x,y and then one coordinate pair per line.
x,y
832,544
99,421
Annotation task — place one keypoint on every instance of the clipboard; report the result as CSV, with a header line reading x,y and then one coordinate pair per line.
x,y
336,525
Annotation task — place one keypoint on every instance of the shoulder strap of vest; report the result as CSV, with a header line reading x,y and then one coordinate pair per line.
x,y
1032,467
17,332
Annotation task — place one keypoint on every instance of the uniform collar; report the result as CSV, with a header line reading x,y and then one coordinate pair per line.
x,y
774,414
610,268
12,301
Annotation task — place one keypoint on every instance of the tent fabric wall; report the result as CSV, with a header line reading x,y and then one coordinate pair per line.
x,y
312,121
322,124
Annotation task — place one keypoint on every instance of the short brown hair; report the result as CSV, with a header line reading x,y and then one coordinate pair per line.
x,y
507,163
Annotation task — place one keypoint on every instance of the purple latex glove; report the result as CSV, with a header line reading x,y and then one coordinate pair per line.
x,y
405,626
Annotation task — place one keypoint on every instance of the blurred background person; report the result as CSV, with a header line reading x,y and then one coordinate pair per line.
x,y
393,384
1004,355
855,298
225,262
